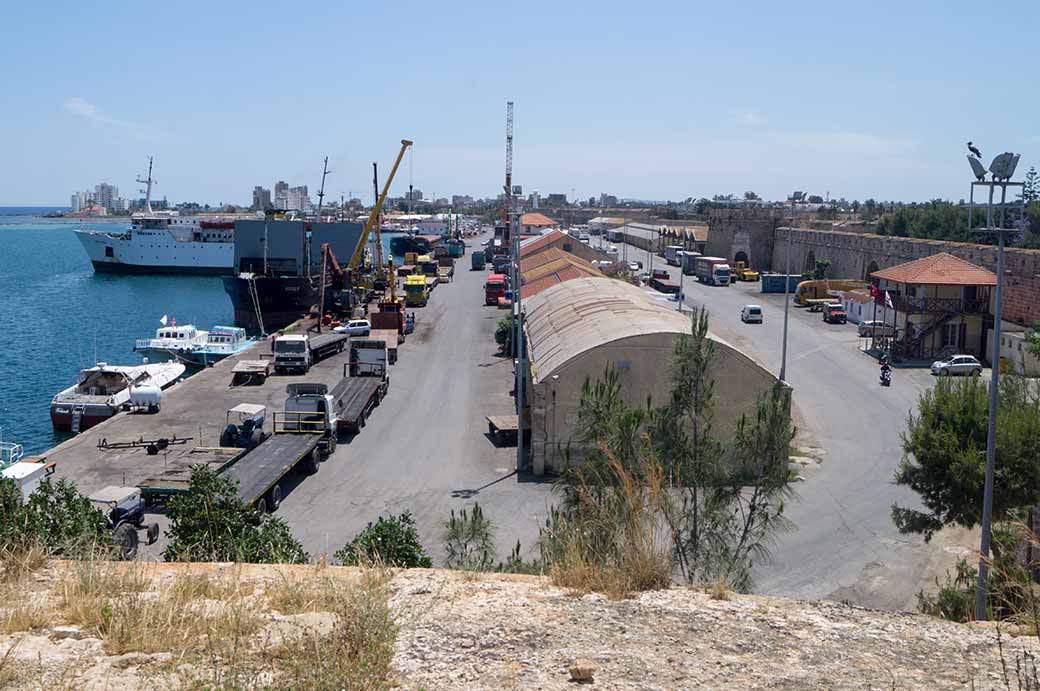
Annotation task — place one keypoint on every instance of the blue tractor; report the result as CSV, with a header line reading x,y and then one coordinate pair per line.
x,y
244,426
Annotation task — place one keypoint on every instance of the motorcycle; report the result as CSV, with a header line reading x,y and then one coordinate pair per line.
x,y
886,377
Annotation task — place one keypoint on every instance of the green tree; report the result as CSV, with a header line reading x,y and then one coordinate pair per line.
x,y
468,540
210,523
1031,187
393,541
820,270
944,454
56,517
722,501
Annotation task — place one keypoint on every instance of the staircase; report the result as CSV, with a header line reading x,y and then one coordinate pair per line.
x,y
77,417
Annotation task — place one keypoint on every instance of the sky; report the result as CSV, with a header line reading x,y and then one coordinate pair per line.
x,y
652,100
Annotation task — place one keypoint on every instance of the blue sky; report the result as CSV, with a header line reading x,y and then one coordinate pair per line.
x,y
646,100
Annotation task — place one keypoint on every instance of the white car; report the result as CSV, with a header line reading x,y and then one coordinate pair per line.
x,y
751,314
957,364
355,327
612,249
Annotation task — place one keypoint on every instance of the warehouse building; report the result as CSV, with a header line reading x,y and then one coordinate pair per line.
x,y
575,329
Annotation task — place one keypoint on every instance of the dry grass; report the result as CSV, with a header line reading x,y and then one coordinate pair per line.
x,y
719,590
26,616
294,596
613,543
82,595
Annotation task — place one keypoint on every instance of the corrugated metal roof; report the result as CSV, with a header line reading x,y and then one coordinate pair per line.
x,y
565,320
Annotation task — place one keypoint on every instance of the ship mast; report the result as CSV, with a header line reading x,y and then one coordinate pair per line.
x,y
321,191
148,189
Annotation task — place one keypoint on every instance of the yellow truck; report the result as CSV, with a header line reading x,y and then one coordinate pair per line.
x,y
743,272
415,291
812,293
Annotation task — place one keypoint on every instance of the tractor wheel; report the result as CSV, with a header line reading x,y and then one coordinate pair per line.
x,y
256,438
126,538
261,505
275,497
153,533
227,439
332,445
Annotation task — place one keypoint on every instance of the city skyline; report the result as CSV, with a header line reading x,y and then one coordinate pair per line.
x,y
715,103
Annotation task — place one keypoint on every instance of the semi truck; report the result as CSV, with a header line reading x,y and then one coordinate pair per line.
x,y
494,288
713,271
390,316
364,385
671,254
415,293
477,260
297,352
304,436
688,260
824,289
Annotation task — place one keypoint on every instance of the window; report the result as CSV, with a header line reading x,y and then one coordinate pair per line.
x,y
950,335
108,252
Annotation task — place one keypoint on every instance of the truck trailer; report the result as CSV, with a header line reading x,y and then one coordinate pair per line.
x,y
671,254
689,258
713,271
297,352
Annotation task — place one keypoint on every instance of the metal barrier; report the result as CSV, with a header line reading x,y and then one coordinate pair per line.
x,y
299,422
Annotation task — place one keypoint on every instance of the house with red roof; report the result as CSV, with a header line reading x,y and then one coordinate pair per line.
x,y
535,224
941,306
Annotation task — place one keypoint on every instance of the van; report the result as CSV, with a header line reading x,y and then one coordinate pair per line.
x,y
751,314
871,327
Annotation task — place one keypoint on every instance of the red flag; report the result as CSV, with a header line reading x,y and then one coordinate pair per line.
x,y
874,292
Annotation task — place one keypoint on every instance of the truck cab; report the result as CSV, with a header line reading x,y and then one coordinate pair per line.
x,y
309,408
494,288
368,358
415,294
291,352
834,313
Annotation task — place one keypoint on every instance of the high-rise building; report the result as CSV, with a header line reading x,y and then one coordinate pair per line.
x,y
261,199
281,195
414,195
607,199
107,196
298,199
80,200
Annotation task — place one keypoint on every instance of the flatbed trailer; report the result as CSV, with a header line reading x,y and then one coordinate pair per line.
x,y
355,398
175,475
250,372
260,472
663,285
326,344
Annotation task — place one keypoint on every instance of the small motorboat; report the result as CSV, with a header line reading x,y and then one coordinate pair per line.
x,y
103,390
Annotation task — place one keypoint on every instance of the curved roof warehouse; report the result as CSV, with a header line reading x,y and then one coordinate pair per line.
x,y
575,329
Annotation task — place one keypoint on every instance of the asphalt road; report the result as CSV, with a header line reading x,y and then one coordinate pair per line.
x,y
844,545
424,449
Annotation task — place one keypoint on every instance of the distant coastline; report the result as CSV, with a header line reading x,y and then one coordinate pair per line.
x,y
33,210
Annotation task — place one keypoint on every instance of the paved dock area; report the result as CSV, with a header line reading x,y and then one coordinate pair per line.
x,y
423,450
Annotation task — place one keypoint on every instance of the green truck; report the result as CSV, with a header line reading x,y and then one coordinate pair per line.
x,y
478,260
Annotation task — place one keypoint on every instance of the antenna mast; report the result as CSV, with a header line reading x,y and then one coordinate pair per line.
x,y
509,175
148,189
321,191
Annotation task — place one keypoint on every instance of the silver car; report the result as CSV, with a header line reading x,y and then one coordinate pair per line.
x,y
957,364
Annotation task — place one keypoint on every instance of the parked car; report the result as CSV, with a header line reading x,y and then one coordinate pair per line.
x,y
957,364
612,249
834,313
873,327
751,314
355,327
634,266
645,277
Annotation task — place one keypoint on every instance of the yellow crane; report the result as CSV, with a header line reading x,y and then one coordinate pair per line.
x,y
373,221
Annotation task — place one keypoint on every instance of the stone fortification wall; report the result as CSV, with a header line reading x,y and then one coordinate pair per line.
x,y
855,255
745,232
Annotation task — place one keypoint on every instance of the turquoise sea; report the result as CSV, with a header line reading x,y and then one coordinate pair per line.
x,y
56,314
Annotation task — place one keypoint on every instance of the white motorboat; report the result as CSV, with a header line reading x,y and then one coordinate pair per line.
x,y
103,390
179,343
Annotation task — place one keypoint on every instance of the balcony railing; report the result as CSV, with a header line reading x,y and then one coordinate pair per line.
x,y
912,305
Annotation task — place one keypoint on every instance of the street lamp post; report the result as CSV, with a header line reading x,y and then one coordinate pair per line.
x,y
787,291
1002,168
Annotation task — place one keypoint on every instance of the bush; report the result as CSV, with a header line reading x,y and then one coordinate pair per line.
x,y
391,541
504,336
57,519
210,523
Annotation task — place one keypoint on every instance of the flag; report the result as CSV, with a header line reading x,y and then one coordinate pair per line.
x,y
163,320
888,301
875,292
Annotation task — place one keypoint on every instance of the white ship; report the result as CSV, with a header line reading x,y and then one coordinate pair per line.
x,y
162,242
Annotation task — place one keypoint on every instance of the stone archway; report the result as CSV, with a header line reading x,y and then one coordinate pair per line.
x,y
871,268
741,256
810,262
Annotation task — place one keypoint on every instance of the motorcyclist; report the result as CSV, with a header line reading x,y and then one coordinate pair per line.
x,y
886,369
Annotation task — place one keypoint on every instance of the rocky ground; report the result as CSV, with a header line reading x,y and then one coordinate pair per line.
x,y
467,631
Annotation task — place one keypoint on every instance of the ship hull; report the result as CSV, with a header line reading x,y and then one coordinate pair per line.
x,y
61,417
144,253
282,300
400,244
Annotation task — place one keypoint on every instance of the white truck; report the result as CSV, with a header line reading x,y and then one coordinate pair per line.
x,y
297,352
671,254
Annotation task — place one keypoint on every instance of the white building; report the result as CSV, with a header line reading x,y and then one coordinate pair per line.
x,y
281,195
107,196
80,200
298,199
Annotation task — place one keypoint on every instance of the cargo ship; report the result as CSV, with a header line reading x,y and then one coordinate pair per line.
x,y
278,271
420,244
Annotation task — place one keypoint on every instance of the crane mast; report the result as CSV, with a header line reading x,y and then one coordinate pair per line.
x,y
508,239
373,217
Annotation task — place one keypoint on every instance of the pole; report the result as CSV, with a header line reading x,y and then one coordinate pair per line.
x,y
787,298
518,346
991,431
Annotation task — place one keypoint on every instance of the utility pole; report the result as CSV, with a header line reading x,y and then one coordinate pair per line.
x,y
787,291
1002,168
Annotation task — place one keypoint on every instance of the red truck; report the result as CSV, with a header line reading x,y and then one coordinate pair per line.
x,y
389,316
494,288
659,280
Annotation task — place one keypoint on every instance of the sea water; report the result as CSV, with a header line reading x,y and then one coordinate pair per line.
x,y
57,316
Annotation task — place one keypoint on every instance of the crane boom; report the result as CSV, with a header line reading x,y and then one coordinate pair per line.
x,y
373,217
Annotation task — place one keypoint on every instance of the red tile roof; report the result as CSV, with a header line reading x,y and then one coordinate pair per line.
x,y
536,219
938,269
